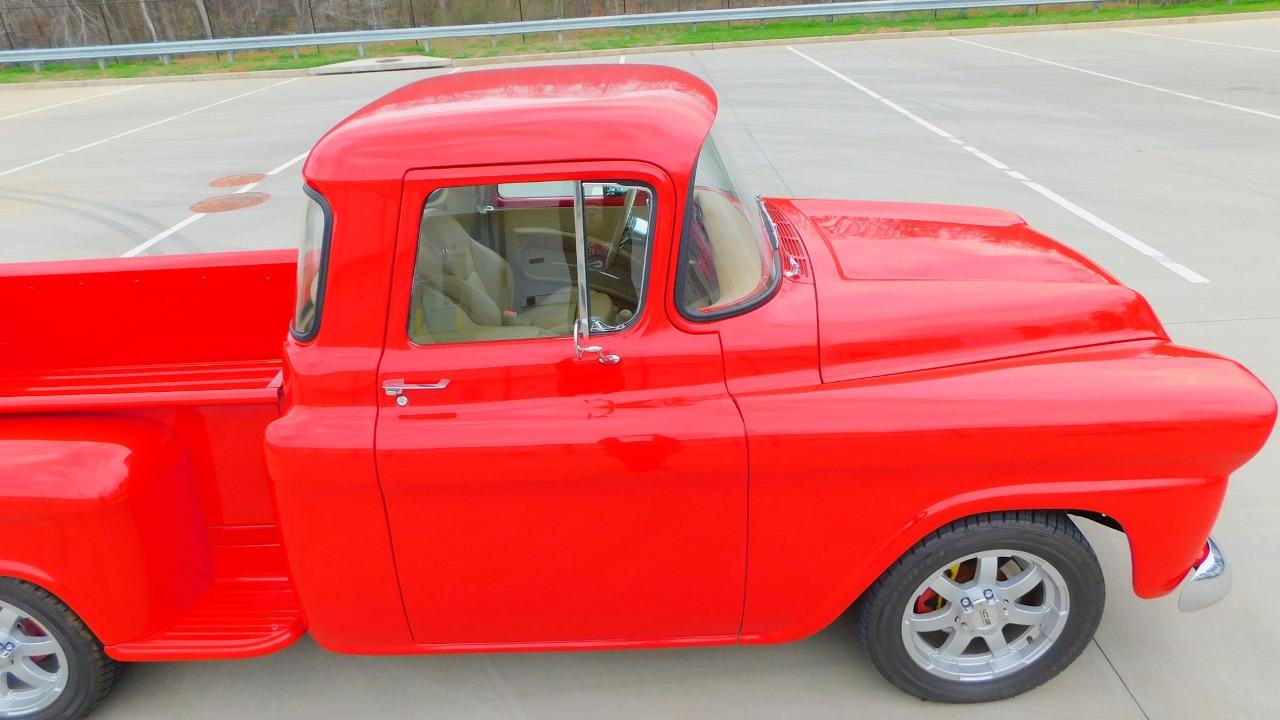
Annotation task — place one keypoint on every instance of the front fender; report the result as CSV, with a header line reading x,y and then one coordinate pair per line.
x,y
102,511
846,477
1160,554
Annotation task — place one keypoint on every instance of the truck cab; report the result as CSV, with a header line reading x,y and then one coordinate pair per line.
x,y
535,367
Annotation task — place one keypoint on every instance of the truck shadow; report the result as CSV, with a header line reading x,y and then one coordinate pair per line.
x,y
825,676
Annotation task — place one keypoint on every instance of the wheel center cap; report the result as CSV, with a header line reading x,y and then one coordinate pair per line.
x,y
983,614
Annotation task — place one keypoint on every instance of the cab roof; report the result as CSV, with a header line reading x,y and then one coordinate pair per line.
x,y
564,113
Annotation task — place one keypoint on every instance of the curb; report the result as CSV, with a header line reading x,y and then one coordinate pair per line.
x,y
693,47
155,79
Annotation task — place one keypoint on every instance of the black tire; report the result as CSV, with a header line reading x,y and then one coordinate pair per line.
x,y
91,674
1049,535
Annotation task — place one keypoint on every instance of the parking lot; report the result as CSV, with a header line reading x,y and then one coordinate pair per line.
x,y
1154,150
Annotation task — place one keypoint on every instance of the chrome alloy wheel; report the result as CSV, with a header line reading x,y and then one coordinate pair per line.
x,y
985,615
33,665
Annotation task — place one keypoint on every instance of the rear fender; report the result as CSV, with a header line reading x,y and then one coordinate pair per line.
x,y
102,511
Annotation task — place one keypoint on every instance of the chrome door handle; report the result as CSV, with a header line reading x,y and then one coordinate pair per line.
x,y
604,356
394,388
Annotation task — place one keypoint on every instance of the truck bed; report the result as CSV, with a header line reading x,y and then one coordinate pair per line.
x,y
178,329
187,351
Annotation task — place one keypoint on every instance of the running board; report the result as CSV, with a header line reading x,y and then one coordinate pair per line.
x,y
249,609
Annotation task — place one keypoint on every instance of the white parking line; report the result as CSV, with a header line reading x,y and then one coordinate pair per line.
x,y
986,158
32,164
281,168
166,233
622,59
237,97
117,136
1202,42
67,102
1126,81
149,125
143,247
1182,270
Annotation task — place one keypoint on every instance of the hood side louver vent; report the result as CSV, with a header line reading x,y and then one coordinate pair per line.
x,y
789,241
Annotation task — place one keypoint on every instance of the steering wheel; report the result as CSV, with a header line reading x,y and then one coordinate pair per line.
x,y
620,233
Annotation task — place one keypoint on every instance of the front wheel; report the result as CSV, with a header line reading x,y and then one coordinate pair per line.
x,y
51,666
985,608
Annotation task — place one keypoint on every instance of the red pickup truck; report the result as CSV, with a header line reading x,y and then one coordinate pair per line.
x,y
554,380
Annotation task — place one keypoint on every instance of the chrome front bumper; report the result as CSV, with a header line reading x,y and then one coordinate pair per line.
x,y
1206,583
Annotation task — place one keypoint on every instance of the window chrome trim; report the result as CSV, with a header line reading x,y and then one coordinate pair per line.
x,y
597,328
582,323
642,290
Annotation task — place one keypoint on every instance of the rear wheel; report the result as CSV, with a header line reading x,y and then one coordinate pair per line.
x,y
51,666
985,608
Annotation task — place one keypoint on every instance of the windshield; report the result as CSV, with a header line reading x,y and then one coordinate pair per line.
x,y
728,255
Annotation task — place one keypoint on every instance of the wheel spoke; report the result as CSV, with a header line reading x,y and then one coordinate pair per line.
x,y
996,644
929,622
9,617
1027,615
29,646
28,672
947,588
954,645
1025,582
988,567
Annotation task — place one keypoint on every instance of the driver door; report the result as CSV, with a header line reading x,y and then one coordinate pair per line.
x,y
535,496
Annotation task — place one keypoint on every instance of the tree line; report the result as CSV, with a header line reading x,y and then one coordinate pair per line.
x,y
69,23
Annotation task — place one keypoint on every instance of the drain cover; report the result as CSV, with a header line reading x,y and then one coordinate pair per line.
x,y
238,180
224,203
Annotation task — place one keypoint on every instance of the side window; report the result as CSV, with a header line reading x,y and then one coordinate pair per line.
x,y
500,262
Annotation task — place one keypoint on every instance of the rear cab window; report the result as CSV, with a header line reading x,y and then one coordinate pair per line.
x,y
313,254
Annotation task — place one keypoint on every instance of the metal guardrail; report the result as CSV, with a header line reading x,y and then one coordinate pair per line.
x,y
362,37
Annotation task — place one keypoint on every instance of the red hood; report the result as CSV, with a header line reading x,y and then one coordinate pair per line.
x,y
904,287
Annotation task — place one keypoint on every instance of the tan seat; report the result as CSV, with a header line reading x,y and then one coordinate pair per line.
x,y
477,282
557,311
434,318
